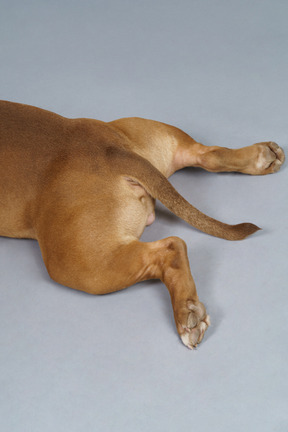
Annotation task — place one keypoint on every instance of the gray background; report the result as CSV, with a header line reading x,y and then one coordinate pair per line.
x,y
74,362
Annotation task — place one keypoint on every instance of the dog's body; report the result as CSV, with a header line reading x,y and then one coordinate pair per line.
x,y
86,189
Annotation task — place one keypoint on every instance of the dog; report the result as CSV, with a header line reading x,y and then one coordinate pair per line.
x,y
85,190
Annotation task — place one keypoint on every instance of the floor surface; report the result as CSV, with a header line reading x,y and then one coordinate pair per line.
x,y
73,362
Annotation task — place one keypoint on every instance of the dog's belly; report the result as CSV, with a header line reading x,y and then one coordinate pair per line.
x,y
17,192
15,220
14,229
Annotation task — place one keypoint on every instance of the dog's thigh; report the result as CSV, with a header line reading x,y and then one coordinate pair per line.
x,y
92,244
97,266
81,223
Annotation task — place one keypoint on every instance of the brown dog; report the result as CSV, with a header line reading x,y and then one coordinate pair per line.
x,y
86,189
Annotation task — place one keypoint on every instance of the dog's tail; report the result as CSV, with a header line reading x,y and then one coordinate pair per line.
x,y
156,184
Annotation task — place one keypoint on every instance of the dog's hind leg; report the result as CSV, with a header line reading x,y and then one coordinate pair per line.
x,y
89,238
257,159
137,261
166,260
170,149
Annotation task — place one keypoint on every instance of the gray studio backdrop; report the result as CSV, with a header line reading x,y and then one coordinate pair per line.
x,y
70,361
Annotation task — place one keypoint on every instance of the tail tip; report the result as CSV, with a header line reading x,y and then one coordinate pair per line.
x,y
246,229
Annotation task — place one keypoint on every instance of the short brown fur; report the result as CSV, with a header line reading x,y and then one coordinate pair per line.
x,y
86,189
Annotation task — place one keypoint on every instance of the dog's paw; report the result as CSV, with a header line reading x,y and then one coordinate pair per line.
x,y
192,322
269,157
